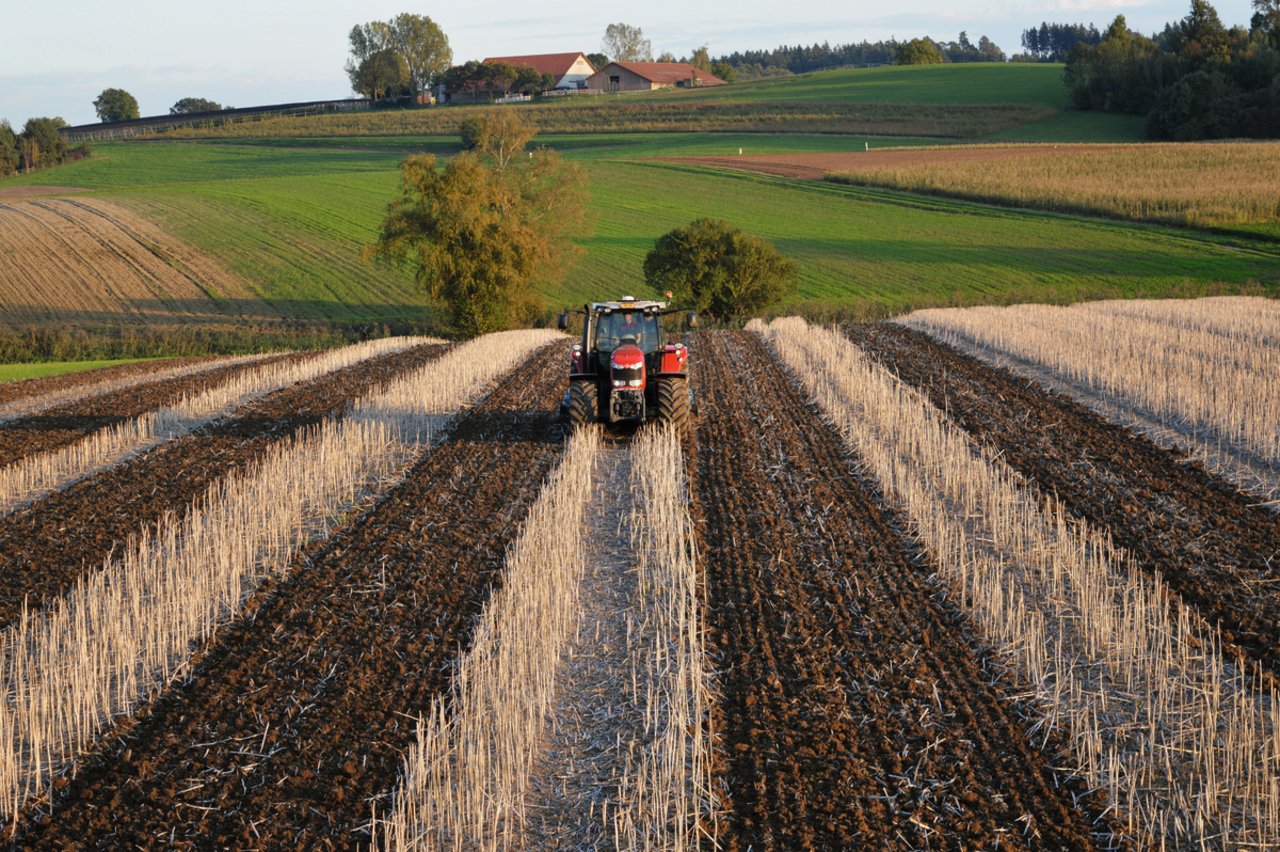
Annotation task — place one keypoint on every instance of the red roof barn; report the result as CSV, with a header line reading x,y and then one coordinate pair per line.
x,y
571,70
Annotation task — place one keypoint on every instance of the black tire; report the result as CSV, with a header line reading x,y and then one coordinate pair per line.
x,y
584,403
673,404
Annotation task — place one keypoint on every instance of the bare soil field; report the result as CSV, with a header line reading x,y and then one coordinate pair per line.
x,y
842,677
13,193
302,711
47,546
1214,545
64,424
88,260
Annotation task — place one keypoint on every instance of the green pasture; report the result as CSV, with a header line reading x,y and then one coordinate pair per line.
x,y
16,372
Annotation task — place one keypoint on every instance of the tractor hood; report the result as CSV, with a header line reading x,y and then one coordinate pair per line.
x,y
627,356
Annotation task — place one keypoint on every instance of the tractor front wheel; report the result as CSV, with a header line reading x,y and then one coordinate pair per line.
x,y
673,404
584,403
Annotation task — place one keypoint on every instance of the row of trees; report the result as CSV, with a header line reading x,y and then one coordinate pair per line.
x,y
398,57
1054,42
799,59
39,146
1195,80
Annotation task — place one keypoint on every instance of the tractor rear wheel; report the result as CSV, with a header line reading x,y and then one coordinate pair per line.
x,y
584,403
673,403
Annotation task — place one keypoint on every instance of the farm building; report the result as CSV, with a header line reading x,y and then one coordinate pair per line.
x,y
571,70
648,76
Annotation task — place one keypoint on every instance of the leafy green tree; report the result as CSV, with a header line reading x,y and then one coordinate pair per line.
x,y
116,105
1201,38
714,268
40,144
1266,20
8,149
490,228
918,51
724,71
424,48
701,59
666,56
598,60
625,43
381,74
186,106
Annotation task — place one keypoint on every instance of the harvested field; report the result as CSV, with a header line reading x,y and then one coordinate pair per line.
x,y
60,425
35,190
87,261
362,631
47,546
854,709
1213,545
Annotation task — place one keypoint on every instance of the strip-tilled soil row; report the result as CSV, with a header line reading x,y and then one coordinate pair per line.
x,y
47,546
26,388
65,424
854,709
1213,545
298,717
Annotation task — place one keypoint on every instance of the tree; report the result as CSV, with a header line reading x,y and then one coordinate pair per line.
x,y
625,43
116,105
918,51
366,41
8,149
381,74
40,143
701,59
1266,20
724,71
424,48
488,229
1202,37
190,105
667,56
714,268
598,60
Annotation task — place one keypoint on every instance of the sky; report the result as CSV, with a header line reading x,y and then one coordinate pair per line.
x,y
251,52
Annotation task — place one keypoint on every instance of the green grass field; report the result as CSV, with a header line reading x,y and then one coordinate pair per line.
x,y
292,213
17,372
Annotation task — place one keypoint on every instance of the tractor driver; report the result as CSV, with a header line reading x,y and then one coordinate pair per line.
x,y
630,327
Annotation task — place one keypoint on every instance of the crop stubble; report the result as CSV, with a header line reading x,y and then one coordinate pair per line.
x,y
301,712
854,706
65,424
47,546
1212,544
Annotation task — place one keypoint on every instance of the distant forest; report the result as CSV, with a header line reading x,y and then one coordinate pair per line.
x,y
799,59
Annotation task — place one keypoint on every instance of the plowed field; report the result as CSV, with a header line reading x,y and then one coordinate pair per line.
x,y
844,680
1215,547
47,546
86,261
854,702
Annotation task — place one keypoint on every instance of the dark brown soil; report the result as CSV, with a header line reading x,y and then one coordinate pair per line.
x,y
297,718
10,391
856,710
45,547
1217,551
65,424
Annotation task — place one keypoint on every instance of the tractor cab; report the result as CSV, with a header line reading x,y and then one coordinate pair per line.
x,y
624,368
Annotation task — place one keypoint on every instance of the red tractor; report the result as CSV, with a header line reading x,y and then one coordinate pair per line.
x,y
624,370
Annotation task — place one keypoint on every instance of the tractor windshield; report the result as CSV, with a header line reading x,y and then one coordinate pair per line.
x,y
614,329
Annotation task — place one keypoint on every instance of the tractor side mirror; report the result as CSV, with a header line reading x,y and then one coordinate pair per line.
x,y
691,320
562,320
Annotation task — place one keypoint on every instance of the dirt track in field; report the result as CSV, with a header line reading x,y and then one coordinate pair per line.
x,y
45,547
855,710
25,388
299,714
1214,549
816,166
65,424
